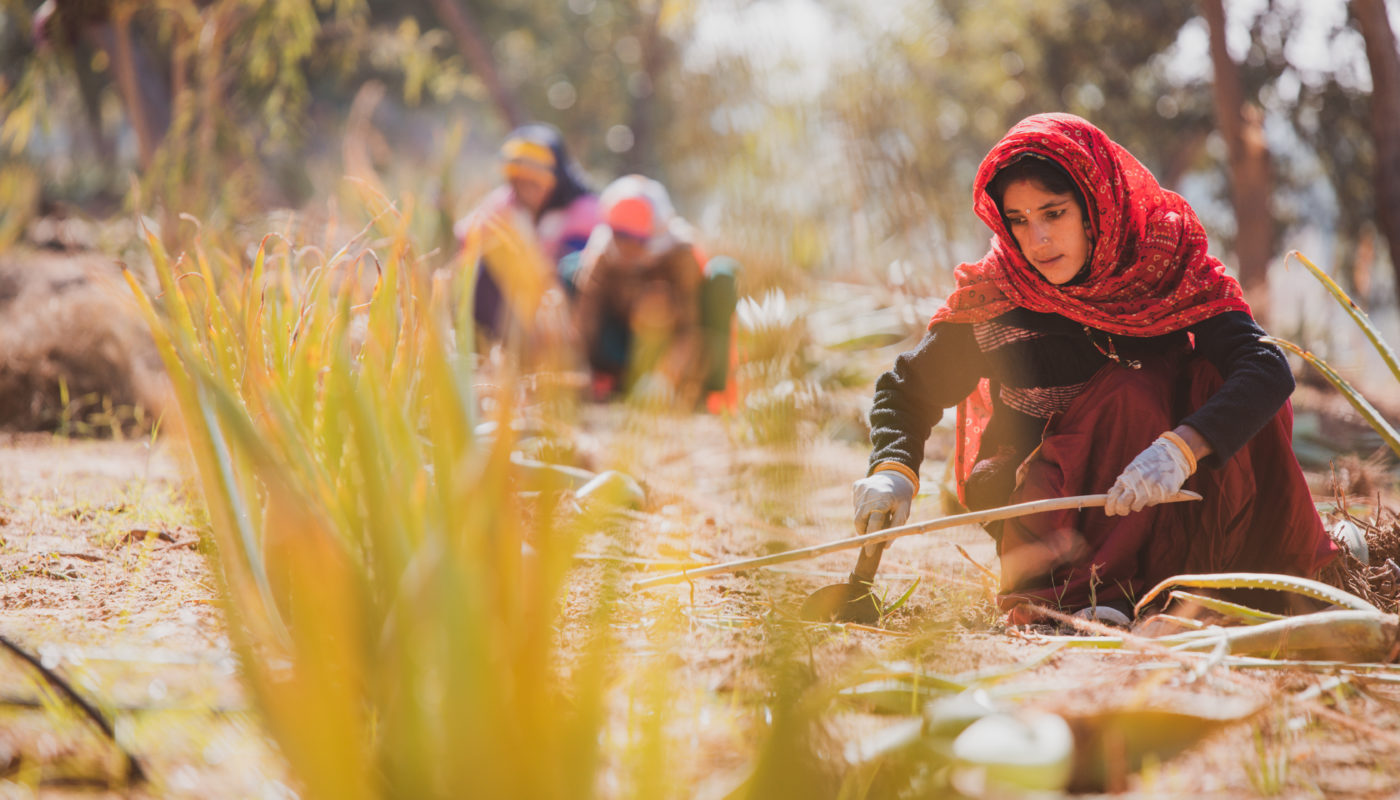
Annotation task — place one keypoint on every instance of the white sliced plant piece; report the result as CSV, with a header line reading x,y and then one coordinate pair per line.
x,y
948,716
1349,535
1022,751
613,488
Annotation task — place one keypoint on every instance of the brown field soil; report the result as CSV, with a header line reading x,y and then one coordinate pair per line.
x,y
101,576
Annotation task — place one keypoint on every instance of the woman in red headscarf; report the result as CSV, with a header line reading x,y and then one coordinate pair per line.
x,y
1098,347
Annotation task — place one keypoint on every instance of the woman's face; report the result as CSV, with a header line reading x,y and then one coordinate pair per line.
x,y
532,191
1050,229
631,250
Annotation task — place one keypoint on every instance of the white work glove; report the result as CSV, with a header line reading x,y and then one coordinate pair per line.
x,y
1156,474
881,501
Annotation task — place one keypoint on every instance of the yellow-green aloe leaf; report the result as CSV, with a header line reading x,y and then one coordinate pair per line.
x,y
1084,642
1362,320
257,293
1360,403
374,458
1346,635
220,470
1245,614
225,346
906,673
990,675
891,696
222,493
448,416
1261,580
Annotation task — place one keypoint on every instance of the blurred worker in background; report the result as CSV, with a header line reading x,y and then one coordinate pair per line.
x,y
517,234
654,314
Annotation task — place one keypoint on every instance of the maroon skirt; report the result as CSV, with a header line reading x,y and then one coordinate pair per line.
x,y
1257,514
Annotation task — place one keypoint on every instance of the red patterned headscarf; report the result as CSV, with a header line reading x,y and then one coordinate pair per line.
x,y
1149,273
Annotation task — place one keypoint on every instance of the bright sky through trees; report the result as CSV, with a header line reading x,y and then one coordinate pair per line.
x,y
796,40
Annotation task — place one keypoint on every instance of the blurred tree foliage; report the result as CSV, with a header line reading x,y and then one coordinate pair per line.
x,y
225,106
876,170
592,67
955,74
228,107
884,157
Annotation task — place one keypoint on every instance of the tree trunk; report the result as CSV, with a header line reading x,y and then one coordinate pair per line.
x,y
642,156
467,32
116,39
1251,177
1384,59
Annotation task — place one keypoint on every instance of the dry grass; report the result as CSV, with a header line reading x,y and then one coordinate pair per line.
x,y
1379,581
129,620
74,355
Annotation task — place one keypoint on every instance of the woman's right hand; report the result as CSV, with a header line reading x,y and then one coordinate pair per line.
x,y
882,499
1156,474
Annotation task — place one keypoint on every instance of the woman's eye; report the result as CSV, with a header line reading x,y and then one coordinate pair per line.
x,y
1056,214
1015,222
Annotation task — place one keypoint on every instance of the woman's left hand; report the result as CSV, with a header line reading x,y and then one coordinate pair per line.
x,y
1156,474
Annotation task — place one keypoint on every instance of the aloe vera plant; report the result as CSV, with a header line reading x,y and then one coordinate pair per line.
x,y
394,613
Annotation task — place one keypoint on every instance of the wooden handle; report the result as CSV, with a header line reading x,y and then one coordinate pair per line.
x,y
971,518
869,561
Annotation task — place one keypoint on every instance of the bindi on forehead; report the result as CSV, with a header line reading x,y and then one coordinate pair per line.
x,y
1044,207
1028,212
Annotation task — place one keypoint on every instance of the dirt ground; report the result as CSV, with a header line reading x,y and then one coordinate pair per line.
x,y
1339,745
102,578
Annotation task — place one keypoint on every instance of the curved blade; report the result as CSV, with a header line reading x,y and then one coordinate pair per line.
x,y
842,602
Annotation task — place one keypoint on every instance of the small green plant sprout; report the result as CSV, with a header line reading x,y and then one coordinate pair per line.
x,y
1268,772
888,607
1094,581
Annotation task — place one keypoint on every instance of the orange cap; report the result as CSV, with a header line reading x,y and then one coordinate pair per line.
x,y
631,216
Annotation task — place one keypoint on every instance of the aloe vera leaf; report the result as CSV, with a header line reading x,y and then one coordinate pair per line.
x,y
1126,738
1262,580
1348,635
892,696
913,676
1019,752
991,675
1084,642
1247,615
1360,403
1362,320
